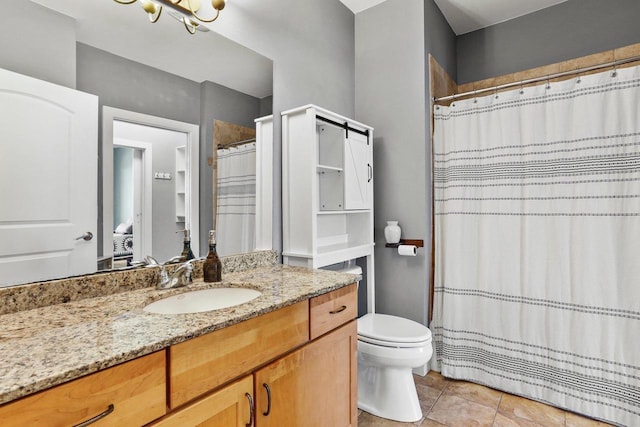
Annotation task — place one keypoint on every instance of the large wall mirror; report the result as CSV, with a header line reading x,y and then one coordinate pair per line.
x,y
158,76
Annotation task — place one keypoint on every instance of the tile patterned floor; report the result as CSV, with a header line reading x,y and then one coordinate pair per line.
x,y
452,403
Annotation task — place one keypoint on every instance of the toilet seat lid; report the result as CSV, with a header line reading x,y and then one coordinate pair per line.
x,y
383,328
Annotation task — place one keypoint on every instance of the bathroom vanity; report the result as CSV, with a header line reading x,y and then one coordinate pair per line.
x,y
288,357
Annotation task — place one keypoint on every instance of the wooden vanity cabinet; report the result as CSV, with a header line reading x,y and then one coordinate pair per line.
x,y
130,394
295,382
315,386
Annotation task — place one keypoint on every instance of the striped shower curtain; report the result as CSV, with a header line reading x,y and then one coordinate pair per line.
x,y
236,204
537,233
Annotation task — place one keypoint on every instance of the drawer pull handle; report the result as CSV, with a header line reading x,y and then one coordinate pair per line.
x,y
338,310
100,416
268,411
251,409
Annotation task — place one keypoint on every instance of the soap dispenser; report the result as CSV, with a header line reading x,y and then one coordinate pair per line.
x,y
187,253
212,267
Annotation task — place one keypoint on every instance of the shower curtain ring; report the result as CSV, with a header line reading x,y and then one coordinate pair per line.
x,y
475,99
521,89
548,84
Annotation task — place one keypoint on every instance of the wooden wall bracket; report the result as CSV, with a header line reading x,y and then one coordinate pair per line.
x,y
413,242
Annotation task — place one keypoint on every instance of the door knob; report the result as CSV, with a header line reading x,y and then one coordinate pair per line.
x,y
86,236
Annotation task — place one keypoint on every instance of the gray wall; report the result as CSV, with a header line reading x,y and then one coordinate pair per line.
x,y
390,96
52,44
569,30
132,86
393,40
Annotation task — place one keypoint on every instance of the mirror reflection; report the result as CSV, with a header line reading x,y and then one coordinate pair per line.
x,y
161,71
234,177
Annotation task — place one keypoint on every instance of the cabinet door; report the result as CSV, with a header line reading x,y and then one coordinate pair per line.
x,y
358,172
231,406
315,386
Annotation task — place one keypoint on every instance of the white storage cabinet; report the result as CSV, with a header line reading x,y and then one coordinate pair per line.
x,y
327,188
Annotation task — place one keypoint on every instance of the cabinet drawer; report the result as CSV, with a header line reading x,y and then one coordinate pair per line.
x,y
332,309
204,363
136,389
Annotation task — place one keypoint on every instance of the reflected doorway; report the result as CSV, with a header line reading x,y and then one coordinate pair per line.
x,y
158,194
132,202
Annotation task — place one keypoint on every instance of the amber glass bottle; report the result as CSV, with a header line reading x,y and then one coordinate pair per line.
x,y
187,253
212,267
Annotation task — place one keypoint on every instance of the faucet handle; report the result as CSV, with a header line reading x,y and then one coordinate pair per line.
x,y
151,261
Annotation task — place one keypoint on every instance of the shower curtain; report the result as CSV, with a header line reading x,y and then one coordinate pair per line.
x,y
537,236
236,200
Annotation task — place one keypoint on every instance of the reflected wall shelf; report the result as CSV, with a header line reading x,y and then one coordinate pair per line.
x,y
181,182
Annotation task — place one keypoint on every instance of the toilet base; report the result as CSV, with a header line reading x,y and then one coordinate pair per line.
x,y
388,393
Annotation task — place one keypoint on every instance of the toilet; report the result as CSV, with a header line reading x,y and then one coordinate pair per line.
x,y
389,348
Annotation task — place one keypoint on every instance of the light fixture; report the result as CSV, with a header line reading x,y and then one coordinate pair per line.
x,y
185,11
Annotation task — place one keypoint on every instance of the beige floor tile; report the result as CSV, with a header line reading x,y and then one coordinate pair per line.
x,y
455,411
474,392
431,423
575,420
521,410
365,419
433,379
502,421
427,396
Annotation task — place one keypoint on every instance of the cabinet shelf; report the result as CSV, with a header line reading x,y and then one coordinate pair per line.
x,y
325,168
343,212
181,183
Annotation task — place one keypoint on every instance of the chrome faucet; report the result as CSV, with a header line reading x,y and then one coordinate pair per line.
x,y
180,277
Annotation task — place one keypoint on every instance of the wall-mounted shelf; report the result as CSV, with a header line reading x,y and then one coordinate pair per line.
x,y
412,242
181,183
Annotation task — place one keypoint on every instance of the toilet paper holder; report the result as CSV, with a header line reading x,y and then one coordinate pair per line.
x,y
413,242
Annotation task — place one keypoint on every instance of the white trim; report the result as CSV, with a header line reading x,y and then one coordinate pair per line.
x,y
264,183
109,114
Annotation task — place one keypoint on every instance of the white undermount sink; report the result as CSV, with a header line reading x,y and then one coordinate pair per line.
x,y
202,300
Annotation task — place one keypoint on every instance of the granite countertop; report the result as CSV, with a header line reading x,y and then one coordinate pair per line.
x,y
47,346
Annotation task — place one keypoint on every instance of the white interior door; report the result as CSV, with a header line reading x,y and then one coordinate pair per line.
x,y
48,186
357,172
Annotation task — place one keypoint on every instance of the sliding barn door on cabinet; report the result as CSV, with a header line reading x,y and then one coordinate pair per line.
x,y
358,172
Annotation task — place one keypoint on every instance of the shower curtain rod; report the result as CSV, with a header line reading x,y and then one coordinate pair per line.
x,y
237,143
539,79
